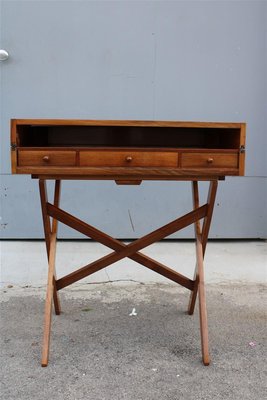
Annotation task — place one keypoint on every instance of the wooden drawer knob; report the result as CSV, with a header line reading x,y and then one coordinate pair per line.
x,y
210,160
129,158
46,158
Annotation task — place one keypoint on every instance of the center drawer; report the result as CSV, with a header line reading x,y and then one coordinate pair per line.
x,y
124,158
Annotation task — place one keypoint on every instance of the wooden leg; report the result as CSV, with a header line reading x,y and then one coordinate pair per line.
x,y
48,231
132,251
50,239
202,305
193,294
202,233
201,242
48,301
54,230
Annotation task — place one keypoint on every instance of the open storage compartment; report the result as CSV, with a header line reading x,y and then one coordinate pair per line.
x,y
177,147
128,136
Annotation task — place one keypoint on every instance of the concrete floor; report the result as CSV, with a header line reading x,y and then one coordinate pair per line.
x,y
99,351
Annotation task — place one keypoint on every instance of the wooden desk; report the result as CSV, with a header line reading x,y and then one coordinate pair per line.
x,y
127,152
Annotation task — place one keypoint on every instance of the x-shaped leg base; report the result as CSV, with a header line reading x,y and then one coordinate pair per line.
x,y
132,251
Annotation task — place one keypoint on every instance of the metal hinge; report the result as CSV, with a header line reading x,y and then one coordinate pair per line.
x,y
242,149
13,146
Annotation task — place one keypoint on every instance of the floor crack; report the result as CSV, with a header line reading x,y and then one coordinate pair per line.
x,y
131,220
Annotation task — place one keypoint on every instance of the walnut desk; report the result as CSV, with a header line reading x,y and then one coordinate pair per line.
x,y
127,152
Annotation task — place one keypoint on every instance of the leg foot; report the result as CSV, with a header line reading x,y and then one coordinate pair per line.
x,y
48,301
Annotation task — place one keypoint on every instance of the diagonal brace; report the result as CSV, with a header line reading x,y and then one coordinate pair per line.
x,y
123,250
116,245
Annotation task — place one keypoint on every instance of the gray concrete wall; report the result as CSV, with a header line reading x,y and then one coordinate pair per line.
x,y
180,60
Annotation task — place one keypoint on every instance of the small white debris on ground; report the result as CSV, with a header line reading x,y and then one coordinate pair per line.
x,y
133,312
252,344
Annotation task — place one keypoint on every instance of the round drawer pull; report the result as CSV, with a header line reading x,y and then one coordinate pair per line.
x,y
129,158
46,158
210,160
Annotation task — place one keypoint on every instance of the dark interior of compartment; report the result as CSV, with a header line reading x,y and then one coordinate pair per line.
x,y
127,136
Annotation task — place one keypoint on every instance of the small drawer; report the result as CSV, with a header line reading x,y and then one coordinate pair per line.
x,y
209,160
46,158
128,159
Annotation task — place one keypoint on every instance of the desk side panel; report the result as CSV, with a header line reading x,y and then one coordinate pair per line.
x,y
242,153
13,145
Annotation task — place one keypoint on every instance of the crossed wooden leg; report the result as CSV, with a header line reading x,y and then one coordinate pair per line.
x,y
50,240
201,235
131,250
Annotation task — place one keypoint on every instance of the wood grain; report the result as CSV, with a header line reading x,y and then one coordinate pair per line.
x,y
103,149
209,160
202,304
129,158
201,232
82,147
130,178
57,193
46,158
48,301
115,173
130,249
48,230
197,229
116,245
69,122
